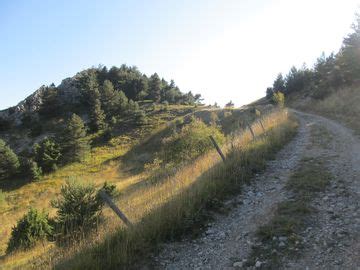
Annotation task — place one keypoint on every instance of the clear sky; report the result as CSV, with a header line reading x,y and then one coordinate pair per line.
x,y
223,49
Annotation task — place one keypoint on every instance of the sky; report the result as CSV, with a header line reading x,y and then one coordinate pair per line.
x,y
223,49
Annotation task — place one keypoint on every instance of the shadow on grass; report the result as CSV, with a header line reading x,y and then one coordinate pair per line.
x,y
13,183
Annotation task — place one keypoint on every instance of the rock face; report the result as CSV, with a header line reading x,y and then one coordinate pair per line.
x,y
68,93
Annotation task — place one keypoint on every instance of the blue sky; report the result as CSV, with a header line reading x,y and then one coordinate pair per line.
x,y
222,49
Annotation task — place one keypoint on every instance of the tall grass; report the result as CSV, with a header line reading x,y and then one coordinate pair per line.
x,y
171,208
342,105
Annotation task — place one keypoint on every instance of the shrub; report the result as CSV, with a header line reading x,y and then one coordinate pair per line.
x,y
191,142
35,172
32,227
279,99
9,162
29,168
78,210
140,117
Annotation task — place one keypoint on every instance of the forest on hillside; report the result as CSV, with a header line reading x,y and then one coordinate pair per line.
x,y
58,125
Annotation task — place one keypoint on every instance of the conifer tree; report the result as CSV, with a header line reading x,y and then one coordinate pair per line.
x,y
91,98
155,87
9,162
74,143
47,154
113,102
97,116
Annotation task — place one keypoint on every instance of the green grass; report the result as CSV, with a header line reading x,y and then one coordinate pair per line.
x,y
291,216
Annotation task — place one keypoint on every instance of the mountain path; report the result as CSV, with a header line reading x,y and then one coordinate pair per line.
x,y
332,242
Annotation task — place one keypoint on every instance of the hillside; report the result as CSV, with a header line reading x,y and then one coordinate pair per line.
x,y
140,158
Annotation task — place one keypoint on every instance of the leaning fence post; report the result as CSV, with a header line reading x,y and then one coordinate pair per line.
x,y
113,206
251,130
217,148
262,126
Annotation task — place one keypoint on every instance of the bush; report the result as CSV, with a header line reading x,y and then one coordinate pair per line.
x,y
140,117
279,99
191,142
78,210
29,168
35,172
9,162
32,227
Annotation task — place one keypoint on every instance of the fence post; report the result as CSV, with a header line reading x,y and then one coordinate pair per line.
x,y
251,130
262,126
113,206
217,148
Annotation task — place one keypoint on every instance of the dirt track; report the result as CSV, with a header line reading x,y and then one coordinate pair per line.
x,y
333,239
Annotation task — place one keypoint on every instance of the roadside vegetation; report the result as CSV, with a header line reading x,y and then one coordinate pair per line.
x,y
178,205
342,106
164,193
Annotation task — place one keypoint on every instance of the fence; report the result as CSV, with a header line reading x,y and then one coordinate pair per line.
x,y
123,217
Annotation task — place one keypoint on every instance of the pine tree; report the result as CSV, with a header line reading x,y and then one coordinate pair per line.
x,y
74,143
97,117
50,105
91,98
9,162
155,87
113,102
109,98
47,154
34,171
279,84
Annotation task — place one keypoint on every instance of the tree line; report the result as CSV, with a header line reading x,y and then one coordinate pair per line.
x,y
329,73
109,98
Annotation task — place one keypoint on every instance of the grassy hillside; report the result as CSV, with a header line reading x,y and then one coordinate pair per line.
x,y
178,205
130,162
104,163
127,161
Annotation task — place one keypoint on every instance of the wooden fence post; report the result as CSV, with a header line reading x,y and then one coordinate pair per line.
x,y
217,148
113,206
251,130
262,126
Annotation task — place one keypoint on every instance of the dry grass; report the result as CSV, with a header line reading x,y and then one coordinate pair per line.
x,y
342,105
139,199
100,165
173,207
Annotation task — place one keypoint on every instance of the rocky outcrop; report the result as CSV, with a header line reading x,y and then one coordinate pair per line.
x,y
68,93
